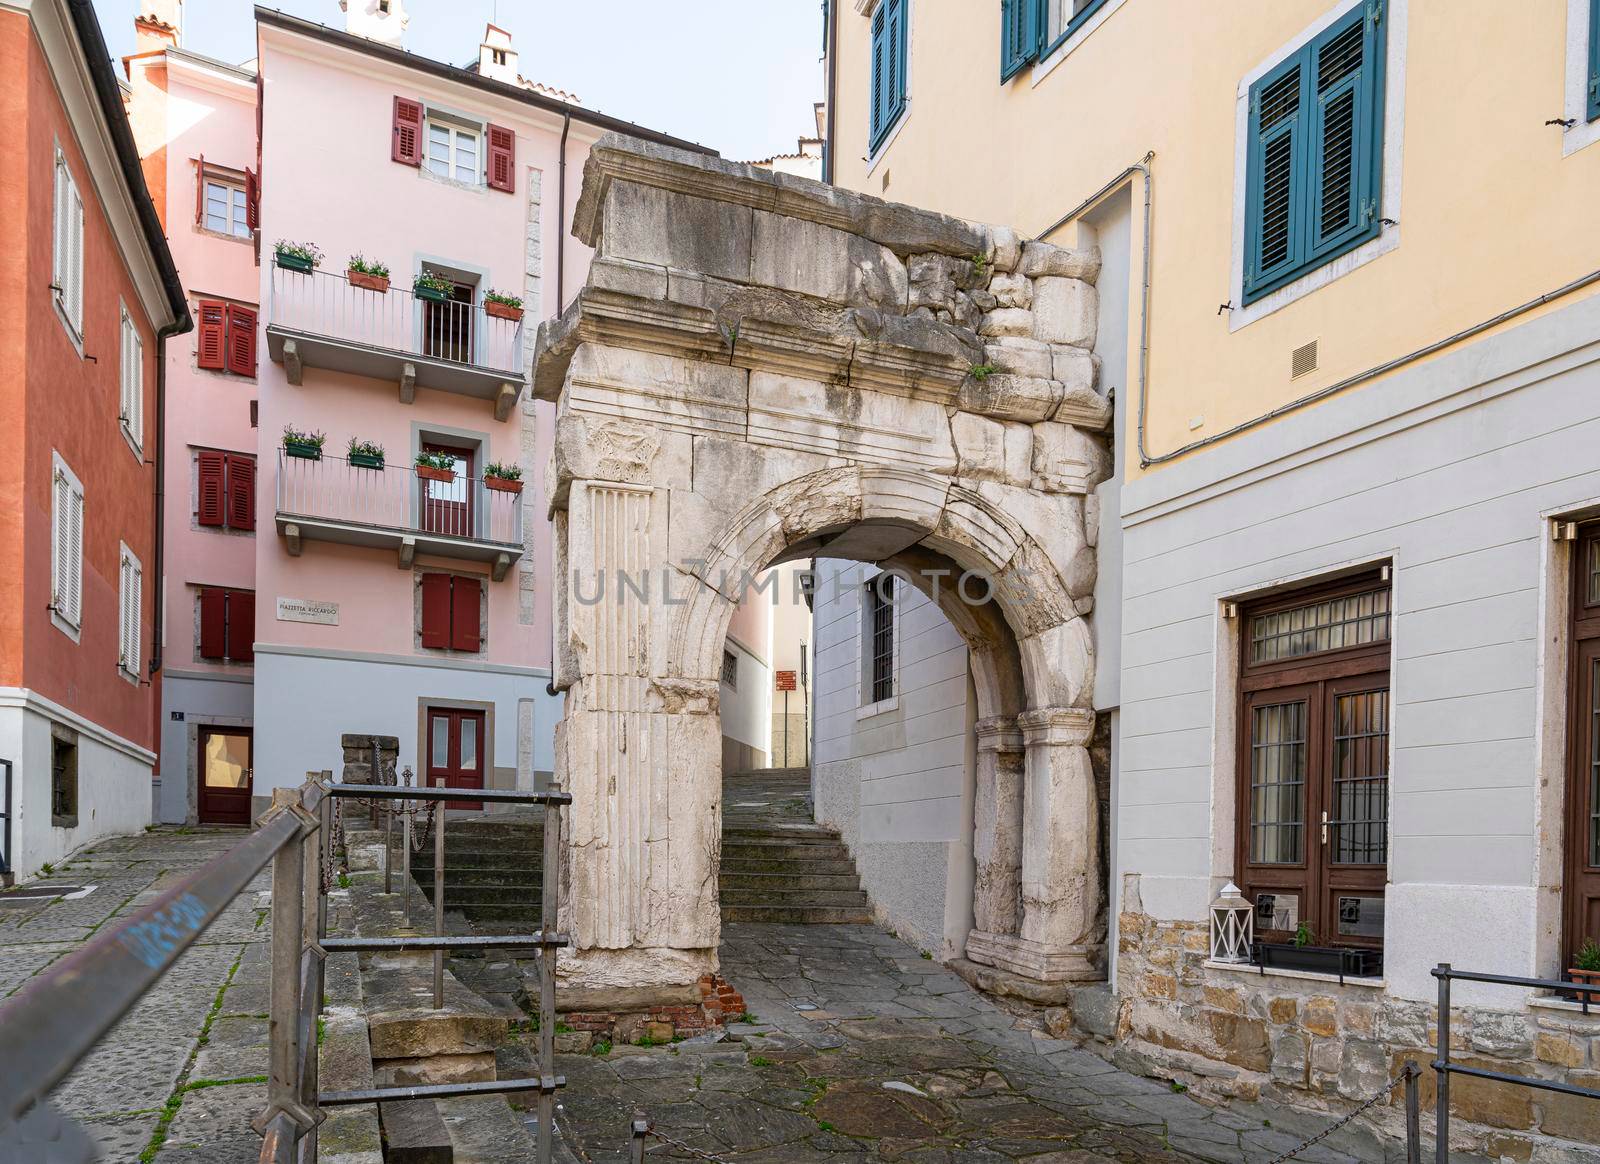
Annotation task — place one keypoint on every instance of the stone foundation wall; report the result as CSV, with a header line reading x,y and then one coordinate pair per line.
x,y
658,1020
1314,1044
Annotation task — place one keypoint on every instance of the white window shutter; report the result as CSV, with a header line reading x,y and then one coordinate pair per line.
x,y
124,589
58,227
136,622
74,594
138,386
75,259
60,533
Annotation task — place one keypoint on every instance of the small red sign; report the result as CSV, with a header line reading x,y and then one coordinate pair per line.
x,y
786,681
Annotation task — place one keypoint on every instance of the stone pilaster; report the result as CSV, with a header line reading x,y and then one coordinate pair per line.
x,y
997,835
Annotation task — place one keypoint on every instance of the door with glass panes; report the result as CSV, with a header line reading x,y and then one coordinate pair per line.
x,y
1313,779
455,751
1582,881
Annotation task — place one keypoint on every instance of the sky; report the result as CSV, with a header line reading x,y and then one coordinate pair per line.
x,y
739,76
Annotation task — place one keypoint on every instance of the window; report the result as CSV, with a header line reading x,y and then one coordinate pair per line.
x,y
450,614
67,264
225,490
1313,777
1581,899
227,624
132,380
66,538
227,209
888,68
225,341
130,654
879,628
498,56
453,151
1031,29
730,669
1314,168
1594,60
63,777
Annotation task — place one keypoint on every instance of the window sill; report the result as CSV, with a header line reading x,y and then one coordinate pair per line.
x,y
61,624
133,446
868,710
1567,1006
877,155
63,822
73,334
429,176
209,232
1073,39
131,677
1304,975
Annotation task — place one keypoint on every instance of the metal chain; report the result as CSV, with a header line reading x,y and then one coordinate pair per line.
x,y
682,1147
1381,1093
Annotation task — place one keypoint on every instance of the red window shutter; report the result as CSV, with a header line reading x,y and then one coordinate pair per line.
x,y
241,491
436,611
465,625
242,626
200,190
211,509
502,158
211,339
252,200
213,622
407,132
241,340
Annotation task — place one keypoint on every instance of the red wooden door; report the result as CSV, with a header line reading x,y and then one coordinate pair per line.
x,y
447,505
225,775
455,751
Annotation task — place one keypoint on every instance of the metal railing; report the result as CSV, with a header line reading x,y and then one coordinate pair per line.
x,y
326,304
5,814
396,497
1444,1068
50,1025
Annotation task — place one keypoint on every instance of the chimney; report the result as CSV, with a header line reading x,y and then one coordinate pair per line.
x,y
380,20
496,58
159,25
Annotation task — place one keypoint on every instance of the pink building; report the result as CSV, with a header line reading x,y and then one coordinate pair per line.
x,y
402,611
194,119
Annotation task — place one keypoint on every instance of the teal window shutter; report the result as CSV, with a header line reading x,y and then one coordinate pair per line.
x,y
1594,59
1019,35
888,68
1314,170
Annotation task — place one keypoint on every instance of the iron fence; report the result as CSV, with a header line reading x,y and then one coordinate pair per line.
x,y
1444,1068
48,1027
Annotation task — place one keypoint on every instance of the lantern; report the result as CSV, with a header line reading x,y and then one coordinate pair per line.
x,y
1232,926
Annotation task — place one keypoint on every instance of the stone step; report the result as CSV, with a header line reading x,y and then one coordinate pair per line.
x,y
480,878
753,839
466,897
414,1133
786,915
785,882
773,866
796,897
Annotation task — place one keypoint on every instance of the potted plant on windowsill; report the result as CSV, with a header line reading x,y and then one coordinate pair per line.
x,y
433,288
365,454
302,257
307,445
1302,954
1585,968
502,306
436,466
369,274
503,478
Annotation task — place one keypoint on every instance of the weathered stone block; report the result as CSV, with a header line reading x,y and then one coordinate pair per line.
x,y
1019,356
1153,985
1562,1050
1007,397
1011,291
991,450
1496,1033
651,225
1224,998
1040,258
474,1068
1361,1068
1005,248
1066,459
1007,321
1321,1017
1283,1010
1480,1100
1243,1041
813,259
1064,312
1077,368
1096,1010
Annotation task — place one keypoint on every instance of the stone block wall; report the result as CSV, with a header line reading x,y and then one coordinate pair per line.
x,y
659,1020
1311,1043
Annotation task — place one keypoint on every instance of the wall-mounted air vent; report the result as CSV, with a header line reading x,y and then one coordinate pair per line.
x,y
1303,360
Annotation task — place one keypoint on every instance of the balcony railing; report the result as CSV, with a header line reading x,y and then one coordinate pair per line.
x,y
395,507
322,320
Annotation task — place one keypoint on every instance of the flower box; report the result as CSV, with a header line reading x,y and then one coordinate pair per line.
x,y
1586,978
1345,961
378,283
289,262
431,294
429,473
501,310
503,484
366,460
303,449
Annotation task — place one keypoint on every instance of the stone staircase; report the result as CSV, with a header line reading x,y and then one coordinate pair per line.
x,y
778,865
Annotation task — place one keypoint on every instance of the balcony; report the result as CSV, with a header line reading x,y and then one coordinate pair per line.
x,y
317,319
331,500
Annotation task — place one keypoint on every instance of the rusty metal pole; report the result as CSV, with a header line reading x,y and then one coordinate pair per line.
x,y
283,1025
1413,1115
549,878
640,1129
408,810
1441,1106
438,899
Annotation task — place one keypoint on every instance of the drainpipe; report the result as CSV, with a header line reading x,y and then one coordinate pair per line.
x,y
561,273
162,335
833,57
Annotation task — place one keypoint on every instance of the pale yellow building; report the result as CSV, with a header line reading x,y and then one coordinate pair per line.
x,y
1349,598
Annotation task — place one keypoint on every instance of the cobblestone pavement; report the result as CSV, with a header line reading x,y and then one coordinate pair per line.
x,y
181,1076
868,1051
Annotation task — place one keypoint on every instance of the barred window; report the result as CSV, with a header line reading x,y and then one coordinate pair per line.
x,y
730,669
880,627
1354,620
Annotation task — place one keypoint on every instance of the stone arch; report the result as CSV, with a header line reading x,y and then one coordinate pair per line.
x,y
758,370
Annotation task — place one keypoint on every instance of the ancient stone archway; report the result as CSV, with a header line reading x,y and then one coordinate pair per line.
x,y
762,368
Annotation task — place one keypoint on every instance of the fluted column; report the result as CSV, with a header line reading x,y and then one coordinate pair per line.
x,y
997,835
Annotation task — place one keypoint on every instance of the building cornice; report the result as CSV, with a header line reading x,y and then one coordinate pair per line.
x,y
26,699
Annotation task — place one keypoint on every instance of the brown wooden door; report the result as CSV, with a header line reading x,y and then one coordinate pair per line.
x,y
455,751
225,775
447,506
1582,881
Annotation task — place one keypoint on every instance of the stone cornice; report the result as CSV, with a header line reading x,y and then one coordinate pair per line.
x,y
1057,726
998,734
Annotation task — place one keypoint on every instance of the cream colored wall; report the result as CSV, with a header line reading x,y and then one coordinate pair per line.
x,y
1491,213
